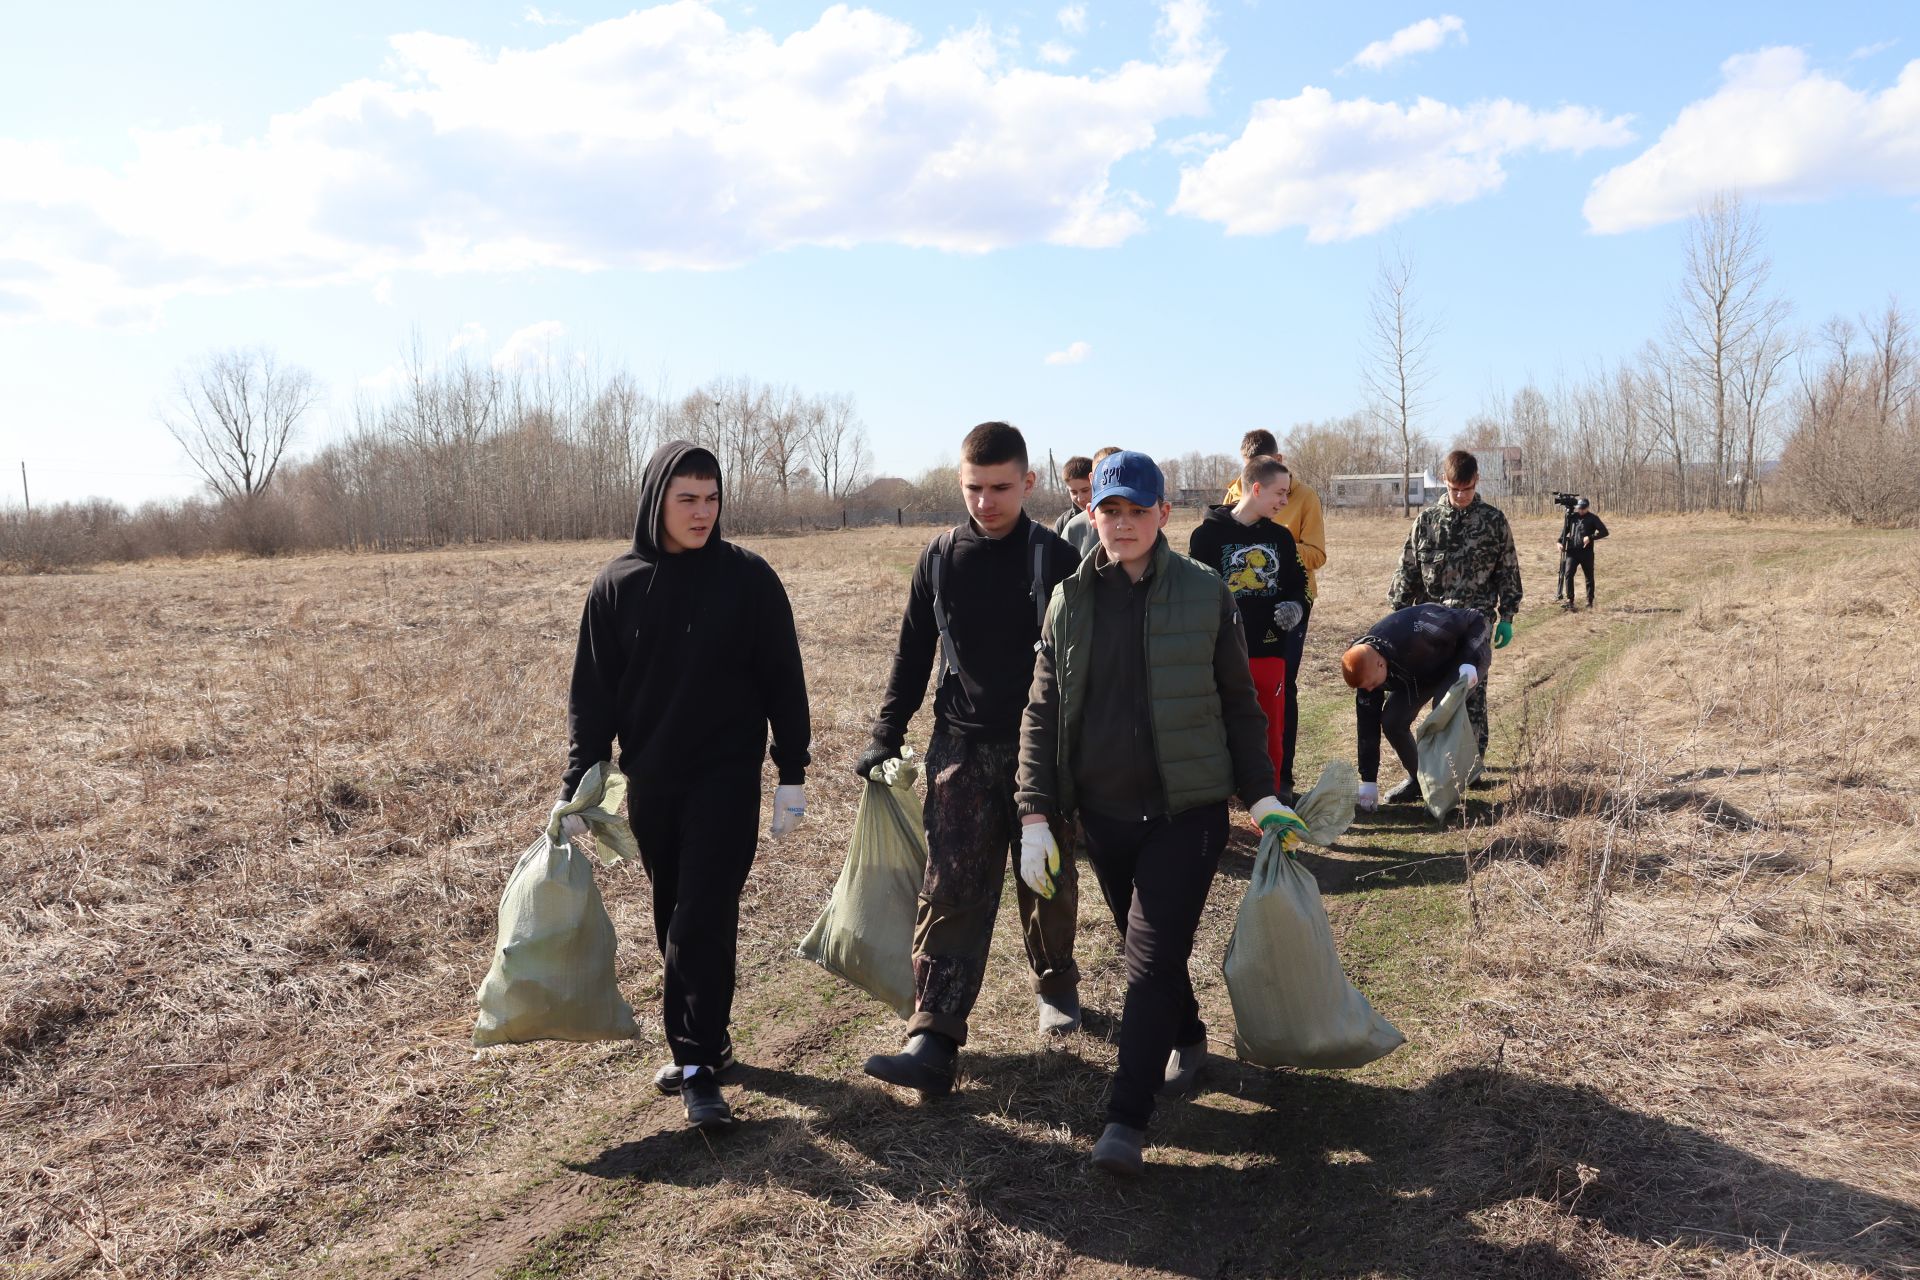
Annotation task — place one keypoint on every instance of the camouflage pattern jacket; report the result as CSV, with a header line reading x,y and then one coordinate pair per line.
x,y
1459,557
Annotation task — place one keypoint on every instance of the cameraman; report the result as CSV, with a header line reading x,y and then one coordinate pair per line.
x,y
1580,531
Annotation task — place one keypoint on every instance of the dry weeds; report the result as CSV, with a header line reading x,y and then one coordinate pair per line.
x,y
254,818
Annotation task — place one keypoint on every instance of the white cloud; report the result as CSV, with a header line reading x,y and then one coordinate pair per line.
x,y
1344,168
1195,144
535,18
1074,354
385,380
1073,19
1775,130
1423,36
661,139
531,347
472,334
1871,50
1056,54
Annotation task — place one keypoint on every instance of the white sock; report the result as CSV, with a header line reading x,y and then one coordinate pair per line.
x,y
688,1073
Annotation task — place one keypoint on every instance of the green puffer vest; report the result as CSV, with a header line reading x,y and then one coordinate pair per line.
x,y
1183,625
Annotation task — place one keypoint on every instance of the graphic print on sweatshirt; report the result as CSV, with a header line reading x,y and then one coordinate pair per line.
x,y
1253,570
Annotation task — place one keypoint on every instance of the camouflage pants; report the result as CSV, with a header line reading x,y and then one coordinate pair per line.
x,y
972,831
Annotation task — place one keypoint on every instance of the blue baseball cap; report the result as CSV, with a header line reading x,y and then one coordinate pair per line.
x,y
1129,475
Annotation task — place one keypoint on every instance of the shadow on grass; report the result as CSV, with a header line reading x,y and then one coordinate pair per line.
x,y
1295,1172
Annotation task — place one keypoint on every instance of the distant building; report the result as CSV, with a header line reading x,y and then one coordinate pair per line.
x,y
887,491
1380,491
1501,470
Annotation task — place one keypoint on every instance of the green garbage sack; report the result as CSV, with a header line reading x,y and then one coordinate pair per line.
x,y
1448,750
1292,1003
866,933
1328,808
552,973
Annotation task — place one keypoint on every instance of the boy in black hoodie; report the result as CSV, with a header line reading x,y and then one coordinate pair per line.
x,y
687,652
1261,565
975,604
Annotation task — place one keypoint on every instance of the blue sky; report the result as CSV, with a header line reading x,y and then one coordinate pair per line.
x,y
1183,204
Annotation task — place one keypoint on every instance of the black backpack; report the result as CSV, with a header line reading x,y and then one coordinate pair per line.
x,y
1037,588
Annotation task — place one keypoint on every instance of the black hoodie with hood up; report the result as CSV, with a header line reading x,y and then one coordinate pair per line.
x,y
686,657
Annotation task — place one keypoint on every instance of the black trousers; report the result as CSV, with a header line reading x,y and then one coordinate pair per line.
x,y
697,844
1155,876
1583,561
1296,647
1388,711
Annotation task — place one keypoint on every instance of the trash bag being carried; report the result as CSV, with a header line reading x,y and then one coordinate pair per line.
x,y
1447,749
866,933
552,974
1292,1003
1328,808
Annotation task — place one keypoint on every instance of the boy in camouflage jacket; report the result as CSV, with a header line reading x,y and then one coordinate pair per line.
x,y
1460,553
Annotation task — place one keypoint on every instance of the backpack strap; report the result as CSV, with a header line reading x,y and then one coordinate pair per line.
x,y
1037,546
942,548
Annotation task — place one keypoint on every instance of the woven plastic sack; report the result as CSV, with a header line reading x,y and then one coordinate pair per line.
x,y
866,933
1328,808
1292,1003
552,973
1447,750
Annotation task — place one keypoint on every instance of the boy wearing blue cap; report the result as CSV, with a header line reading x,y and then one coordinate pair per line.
x,y
1143,721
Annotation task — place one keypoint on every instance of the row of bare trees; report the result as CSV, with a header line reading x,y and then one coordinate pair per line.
x,y
1729,408
454,452
465,453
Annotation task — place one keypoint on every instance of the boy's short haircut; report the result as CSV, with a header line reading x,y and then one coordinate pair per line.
x,y
1258,441
1078,468
1353,661
1262,470
1100,454
696,464
992,443
1460,467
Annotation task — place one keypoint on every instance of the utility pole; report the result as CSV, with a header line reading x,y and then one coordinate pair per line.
x,y
24,495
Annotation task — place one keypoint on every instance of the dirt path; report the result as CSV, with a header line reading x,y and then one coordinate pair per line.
x,y
1397,1169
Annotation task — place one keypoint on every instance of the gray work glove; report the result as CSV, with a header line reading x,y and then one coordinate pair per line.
x,y
1287,615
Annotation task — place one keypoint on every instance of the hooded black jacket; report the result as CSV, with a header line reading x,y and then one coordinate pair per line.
x,y
686,658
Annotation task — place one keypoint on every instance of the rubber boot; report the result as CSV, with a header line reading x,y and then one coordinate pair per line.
x,y
925,1064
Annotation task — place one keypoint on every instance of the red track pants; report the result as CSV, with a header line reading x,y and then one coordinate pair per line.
x,y
1270,685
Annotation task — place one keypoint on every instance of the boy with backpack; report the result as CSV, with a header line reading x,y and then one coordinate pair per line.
x,y
687,653
1143,722
1261,564
974,605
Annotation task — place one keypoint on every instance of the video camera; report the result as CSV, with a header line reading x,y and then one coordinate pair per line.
x,y
1565,499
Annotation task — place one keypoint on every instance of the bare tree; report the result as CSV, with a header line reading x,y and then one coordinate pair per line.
x,y
1722,310
836,444
1397,360
235,415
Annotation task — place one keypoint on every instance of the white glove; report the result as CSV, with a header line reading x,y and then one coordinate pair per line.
x,y
1367,798
1471,673
789,806
1039,858
572,827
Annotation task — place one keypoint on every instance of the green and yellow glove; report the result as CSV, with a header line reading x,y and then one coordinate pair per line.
x,y
1271,816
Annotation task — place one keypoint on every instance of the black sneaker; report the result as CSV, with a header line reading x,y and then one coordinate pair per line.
x,y
925,1064
667,1078
706,1108
1407,792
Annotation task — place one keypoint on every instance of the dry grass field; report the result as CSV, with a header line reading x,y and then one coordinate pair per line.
x,y
1658,985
